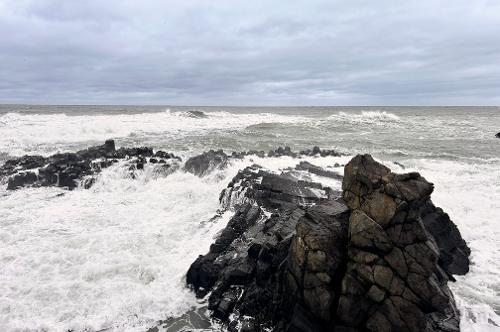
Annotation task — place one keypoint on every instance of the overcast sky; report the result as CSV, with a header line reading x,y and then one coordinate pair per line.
x,y
252,52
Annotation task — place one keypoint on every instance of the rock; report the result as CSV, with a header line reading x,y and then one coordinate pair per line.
x,y
109,145
405,285
454,252
316,258
70,169
267,189
21,180
497,135
206,162
377,259
23,163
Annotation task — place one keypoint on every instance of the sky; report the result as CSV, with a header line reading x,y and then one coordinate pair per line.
x,y
231,52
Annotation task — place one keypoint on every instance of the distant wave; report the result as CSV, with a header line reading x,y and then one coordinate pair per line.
x,y
25,133
369,117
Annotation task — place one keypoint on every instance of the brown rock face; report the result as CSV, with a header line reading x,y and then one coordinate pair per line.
x,y
393,280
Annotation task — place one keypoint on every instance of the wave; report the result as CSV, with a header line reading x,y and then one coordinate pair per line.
x,y
42,133
366,117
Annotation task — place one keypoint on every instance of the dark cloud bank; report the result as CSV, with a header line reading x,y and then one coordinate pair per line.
x,y
426,52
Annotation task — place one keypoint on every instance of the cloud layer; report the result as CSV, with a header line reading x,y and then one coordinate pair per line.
x,y
360,52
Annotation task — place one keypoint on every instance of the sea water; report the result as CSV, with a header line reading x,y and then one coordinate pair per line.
x,y
114,257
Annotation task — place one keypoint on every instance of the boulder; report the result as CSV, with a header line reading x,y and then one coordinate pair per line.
x,y
206,162
497,135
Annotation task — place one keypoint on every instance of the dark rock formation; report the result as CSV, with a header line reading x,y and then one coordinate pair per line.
x,y
378,259
453,251
393,281
266,189
68,169
206,162
497,135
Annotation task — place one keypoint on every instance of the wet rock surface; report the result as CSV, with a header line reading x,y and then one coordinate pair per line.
x,y
206,162
69,169
298,257
393,279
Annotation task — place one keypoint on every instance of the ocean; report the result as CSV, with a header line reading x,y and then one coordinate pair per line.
x,y
114,257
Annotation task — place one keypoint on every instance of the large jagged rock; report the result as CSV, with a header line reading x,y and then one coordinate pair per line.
x,y
497,135
377,259
68,169
393,280
246,267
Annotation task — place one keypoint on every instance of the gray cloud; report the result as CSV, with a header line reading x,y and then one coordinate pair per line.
x,y
250,53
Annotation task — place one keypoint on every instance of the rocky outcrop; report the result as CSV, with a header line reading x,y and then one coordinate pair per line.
x,y
497,135
206,162
68,169
257,186
376,259
245,267
393,280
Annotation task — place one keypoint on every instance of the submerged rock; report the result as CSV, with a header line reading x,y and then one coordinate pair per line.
x,y
497,135
377,259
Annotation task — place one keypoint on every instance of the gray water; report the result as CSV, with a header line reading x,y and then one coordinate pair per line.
x,y
66,261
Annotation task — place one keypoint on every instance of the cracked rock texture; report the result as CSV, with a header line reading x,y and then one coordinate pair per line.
x,y
393,279
298,257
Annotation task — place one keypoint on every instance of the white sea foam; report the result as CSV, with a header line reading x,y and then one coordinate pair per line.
x,y
366,117
29,133
112,256
115,255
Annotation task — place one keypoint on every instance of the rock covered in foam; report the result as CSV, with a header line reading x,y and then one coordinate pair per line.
x,y
68,169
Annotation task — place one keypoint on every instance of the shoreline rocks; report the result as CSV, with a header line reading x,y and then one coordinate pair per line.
x,y
378,258
68,169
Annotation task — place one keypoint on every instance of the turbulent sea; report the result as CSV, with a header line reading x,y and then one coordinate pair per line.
x,y
113,258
